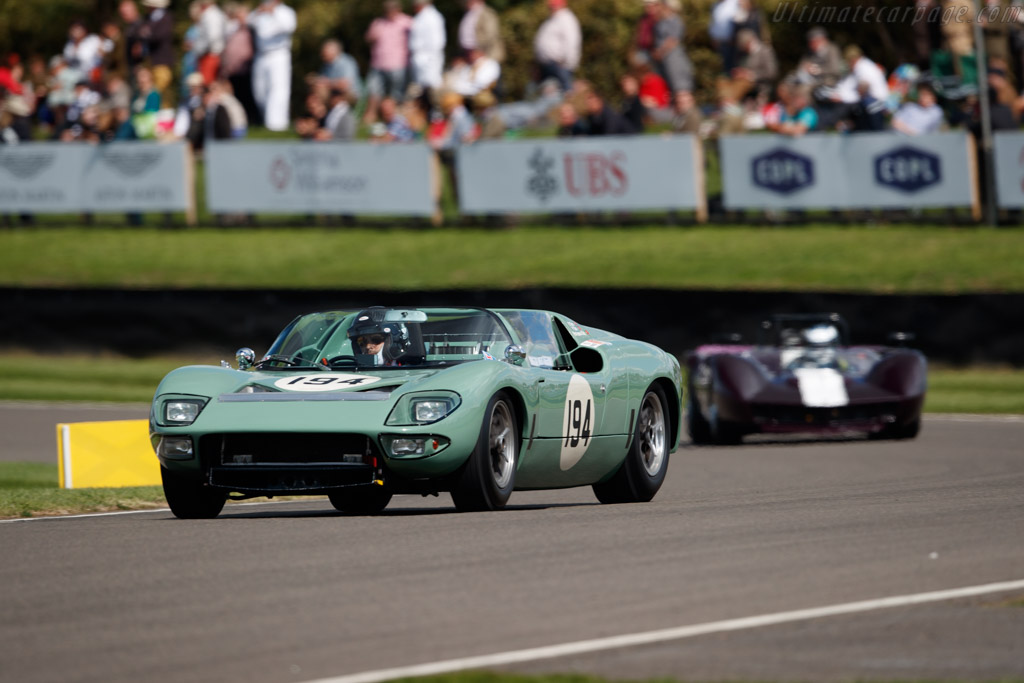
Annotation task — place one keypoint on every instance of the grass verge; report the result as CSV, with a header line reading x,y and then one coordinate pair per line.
x,y
915,259
32,377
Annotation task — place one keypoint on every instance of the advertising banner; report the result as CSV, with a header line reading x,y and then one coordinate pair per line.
x,y
595,174
856,171
1010,169
58,177
319,178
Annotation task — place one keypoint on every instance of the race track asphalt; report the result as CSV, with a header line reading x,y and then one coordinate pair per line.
x,y
297,592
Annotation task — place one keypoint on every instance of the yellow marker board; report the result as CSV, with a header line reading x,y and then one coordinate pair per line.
x,y
106,454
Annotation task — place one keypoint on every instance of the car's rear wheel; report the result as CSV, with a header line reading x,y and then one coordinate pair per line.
x,y
722,432
643,471
188,498
900,432
488,477
361,500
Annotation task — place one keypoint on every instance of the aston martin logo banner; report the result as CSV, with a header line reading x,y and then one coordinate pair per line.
x,y
59,177
320,178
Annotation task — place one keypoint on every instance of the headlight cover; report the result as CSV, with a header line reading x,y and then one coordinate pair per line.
x,y
181,411
423,408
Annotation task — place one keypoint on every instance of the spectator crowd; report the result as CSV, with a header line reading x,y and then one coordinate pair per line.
x,y
132,79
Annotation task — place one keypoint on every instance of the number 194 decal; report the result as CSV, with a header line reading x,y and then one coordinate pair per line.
x,y
578,423
330,382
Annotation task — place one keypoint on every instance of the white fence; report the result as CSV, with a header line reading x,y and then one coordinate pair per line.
x,y
1010,169
57,177
595,174
319,178
544,176
861,171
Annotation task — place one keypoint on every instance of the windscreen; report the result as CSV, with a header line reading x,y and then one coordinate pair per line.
x,y
380,337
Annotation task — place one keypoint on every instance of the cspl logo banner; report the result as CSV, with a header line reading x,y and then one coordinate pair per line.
x,y
908,169
598,174
854,171
783,171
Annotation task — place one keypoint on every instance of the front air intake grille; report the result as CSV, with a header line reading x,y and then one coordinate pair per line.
x,y
821,417
240,450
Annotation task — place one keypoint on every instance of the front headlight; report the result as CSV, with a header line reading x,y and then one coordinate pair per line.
x,y
430,410
181,412
423,408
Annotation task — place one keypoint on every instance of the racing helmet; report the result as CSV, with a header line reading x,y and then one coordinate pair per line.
x,y
370,326
823,334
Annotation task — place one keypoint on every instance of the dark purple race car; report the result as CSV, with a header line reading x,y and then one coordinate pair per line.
x,y
804,377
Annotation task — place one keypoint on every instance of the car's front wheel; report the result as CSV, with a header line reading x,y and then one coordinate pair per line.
x,y
189,499
361,500
488,477
643,471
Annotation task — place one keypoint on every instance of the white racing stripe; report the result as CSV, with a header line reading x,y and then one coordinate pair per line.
x,y
821,387
678,633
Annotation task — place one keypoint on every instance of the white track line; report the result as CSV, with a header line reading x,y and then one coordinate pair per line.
x,y
678,633
88,515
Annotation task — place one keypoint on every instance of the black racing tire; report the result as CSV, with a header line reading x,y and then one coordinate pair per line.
x,y
696,426
487,479
189,499
643,471
901,432
361,500
722,432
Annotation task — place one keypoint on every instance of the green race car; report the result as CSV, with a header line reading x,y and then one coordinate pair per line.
x,y
359,405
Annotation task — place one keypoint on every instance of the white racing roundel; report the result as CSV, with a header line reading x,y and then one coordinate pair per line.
x,y
330,382
577,422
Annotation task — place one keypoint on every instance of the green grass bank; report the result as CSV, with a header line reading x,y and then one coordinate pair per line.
x,y
825,258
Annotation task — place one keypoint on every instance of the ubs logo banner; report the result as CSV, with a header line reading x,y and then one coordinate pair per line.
x,y
908,169
782,171
592,174
607,174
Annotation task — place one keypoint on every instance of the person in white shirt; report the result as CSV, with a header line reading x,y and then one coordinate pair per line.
x,y
558,44
474,74
209,43
921,117
83,51
427,39
864,90
272,25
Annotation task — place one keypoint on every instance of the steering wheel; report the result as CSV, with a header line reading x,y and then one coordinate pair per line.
x,y
338,360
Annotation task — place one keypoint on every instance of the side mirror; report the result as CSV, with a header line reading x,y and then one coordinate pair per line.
x,y
515,354
245,357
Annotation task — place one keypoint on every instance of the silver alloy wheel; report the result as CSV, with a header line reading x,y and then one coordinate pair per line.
x,y
651,434
501,444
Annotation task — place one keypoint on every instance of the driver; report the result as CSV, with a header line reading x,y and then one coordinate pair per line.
x,y
371,338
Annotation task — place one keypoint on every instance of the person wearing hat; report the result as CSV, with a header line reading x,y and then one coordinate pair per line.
x,y
158,32
273,24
